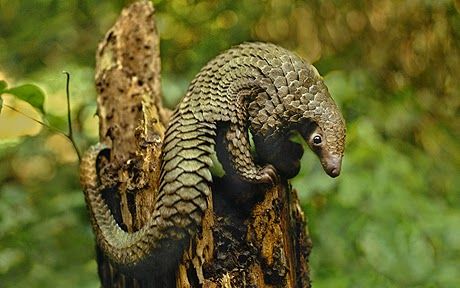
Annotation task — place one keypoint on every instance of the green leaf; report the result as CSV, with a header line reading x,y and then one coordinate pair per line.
x,y
3,85
30,93
216,168
56,121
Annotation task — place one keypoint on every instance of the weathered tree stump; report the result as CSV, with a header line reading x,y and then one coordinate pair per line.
x,y
248,238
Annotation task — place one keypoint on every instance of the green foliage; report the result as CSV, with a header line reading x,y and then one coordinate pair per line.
x,y
30,93
390,220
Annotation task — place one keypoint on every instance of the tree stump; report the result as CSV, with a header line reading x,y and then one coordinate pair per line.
x,y
248,238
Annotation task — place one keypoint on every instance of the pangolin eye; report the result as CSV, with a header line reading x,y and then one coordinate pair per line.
x,y
317,140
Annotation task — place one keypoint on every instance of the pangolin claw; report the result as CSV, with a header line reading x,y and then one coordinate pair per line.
x,y
269,175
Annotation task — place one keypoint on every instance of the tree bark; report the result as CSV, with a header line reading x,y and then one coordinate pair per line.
x,y
248,238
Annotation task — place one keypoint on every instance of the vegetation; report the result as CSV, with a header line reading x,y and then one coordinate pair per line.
x,y
390,220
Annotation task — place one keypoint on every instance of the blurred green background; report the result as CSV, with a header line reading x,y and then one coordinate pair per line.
x,y
391,219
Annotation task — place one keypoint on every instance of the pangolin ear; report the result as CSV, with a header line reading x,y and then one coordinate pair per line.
x,y
306,129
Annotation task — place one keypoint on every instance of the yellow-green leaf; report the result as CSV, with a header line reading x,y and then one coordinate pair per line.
x,y
30,93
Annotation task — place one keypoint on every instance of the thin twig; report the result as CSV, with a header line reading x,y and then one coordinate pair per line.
x,y
67,92
57,130
69,118
36,120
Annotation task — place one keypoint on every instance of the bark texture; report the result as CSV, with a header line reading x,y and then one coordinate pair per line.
x,y
248,238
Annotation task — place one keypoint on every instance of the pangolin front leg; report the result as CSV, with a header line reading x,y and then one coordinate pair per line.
x,y
239,149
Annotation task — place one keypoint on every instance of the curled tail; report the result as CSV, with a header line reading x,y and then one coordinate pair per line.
x,y
182,199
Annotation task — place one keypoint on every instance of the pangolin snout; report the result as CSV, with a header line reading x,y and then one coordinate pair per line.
x,y
332,165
